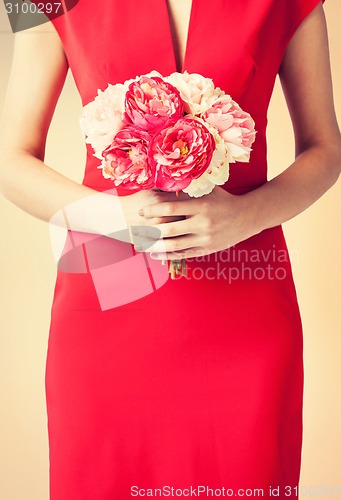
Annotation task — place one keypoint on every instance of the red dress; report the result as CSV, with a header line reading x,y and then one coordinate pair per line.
x,y
198,383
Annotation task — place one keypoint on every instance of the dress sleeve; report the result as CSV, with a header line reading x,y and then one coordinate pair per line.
x,y
297,11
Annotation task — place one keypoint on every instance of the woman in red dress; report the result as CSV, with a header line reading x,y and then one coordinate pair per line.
x,y
198,385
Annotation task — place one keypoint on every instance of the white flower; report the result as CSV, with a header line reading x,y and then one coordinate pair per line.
x,y
199,187
198,92
151,74
102,117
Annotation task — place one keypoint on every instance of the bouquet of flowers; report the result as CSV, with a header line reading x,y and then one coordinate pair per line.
x,y
175,133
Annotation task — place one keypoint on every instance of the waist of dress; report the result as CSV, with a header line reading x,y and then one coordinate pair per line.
x,y
103,273
86,252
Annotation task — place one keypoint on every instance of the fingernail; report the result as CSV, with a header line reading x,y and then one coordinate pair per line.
x,y
141,212
154,255
135,231
138,248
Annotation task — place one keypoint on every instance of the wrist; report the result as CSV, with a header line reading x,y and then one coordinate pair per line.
x,y
253,209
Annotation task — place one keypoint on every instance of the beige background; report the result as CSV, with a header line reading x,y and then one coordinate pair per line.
x,y
27,274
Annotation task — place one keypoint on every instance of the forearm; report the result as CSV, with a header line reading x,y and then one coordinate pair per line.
x,y
48,195
299,186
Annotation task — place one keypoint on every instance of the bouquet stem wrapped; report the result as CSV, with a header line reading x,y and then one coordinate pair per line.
x,y
176,267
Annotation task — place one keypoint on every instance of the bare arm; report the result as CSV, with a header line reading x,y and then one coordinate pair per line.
x,y
220,219
306,80
37,77
39,69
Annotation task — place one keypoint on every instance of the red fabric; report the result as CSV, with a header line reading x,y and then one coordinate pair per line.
x,y
199,382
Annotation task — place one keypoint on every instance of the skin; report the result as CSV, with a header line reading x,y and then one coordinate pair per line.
x,y
188,227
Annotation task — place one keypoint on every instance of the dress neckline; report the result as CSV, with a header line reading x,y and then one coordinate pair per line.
x,y
182,63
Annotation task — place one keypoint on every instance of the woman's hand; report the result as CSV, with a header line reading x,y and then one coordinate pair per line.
x,y
208,224
125,220
132,205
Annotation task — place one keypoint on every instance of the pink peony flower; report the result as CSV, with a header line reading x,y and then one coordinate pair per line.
x,y
151,102
198,92
234,125
126,160
181,152
220,114
102,118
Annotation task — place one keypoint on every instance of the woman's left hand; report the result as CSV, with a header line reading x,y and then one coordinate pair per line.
x,y
211,223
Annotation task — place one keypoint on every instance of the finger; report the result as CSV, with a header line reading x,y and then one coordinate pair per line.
x,y
160,220
153,232
165,230
170,209
189,253
165,220
143,244
174,245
